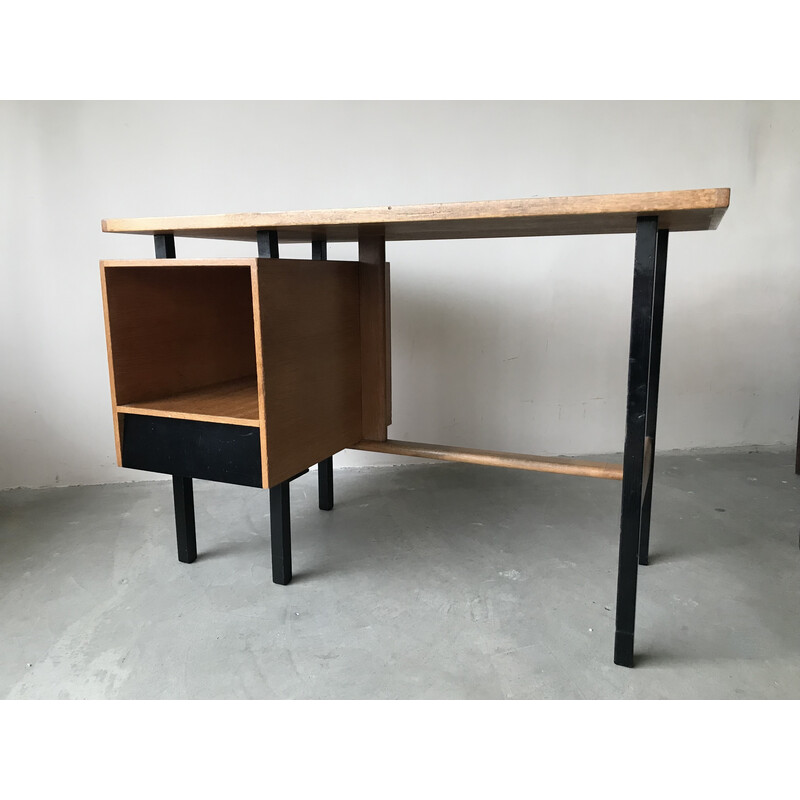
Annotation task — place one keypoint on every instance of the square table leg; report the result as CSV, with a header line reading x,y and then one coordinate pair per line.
x,y
643,367
183,497
280,533
652,393
325,477
182,492
319,252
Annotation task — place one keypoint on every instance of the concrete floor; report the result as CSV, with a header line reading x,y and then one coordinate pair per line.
x,y
426,581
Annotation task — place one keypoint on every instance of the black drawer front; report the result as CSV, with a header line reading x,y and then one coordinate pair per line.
x,y
210,451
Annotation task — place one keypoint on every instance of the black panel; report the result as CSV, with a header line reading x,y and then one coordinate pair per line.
x,y
210,451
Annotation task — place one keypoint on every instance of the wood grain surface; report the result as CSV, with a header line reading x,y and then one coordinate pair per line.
x,y
232,402
375,345
308,316
493,458
178,328
174,327
685,210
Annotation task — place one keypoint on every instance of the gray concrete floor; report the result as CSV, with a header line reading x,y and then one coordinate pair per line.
x,y
426,581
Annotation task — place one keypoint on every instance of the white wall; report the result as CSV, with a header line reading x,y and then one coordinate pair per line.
x,y
507,344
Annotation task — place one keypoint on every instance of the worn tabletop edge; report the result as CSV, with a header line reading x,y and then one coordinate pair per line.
x,y
715,201
235,262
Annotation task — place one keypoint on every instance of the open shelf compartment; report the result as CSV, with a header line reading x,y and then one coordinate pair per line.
x,y
182,341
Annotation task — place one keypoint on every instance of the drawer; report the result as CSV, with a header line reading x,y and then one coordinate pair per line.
x,y
210,451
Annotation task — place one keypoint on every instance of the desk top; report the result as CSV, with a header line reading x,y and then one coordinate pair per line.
x,y
690,210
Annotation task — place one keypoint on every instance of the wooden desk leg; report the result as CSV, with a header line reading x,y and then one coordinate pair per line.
x,y
319,252
639,375
183,496
281,533
652,393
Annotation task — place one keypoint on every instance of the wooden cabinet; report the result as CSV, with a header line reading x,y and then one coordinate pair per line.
x,y
249,361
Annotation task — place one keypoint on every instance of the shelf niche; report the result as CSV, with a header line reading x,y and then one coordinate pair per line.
x,y
183,342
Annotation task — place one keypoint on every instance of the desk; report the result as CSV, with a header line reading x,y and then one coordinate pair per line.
x,y
251,370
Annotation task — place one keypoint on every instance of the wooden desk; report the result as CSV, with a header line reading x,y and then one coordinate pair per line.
x,y
250,371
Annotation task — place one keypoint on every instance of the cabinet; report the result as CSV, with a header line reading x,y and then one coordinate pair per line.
x,y
246,371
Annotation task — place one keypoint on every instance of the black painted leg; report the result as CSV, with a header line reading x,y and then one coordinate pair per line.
x,y
652,394
182,493
319,252
280,522
267,244
184,518
165,245
644,272
325,470
281,533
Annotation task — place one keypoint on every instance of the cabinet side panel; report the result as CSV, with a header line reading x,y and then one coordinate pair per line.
x,y
311,352
256,292
373,287
116,419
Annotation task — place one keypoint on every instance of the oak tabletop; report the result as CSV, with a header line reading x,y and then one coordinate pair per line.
x,y
685,210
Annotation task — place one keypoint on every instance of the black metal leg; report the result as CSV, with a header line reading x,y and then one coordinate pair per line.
x,y
182,493
280,522
281,533
644,273
652,394
325,470
184,518
267,244
165,245
319,252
